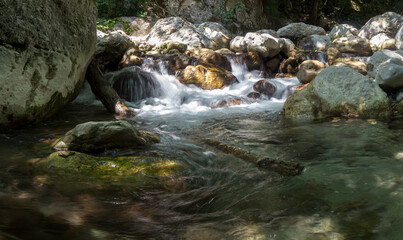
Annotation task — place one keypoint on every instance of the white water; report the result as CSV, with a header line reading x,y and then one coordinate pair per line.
x,y
177,98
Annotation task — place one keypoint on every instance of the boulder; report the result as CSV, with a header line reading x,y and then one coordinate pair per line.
x,y
382,41
343,30
388,23
176,62
289,66
269,31
134,169
111,48
264,44
218,35
338,91
380,57
215,59
172,47
264,87
253,61
175,29
207,77
99,136
308,70
44,53
296,31
134,84
332,54
238,44
131,58
140,27
399,39
314,42
289,48
390,75
351,63
354,45
273,65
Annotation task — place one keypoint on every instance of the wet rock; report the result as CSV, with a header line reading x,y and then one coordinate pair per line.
x,y
273,65
355,45
218,35
338,91
253,61
314,42
343,30
332,54
172,47
215,59
382,41
135,169
388,23
228,103
99,136
110,49
296,31
399,39
308,70
351,63
265,87
264,44
207,77
238,44
44,52
176,62
225,51
253,95
289,66
175,29
134,84
131,58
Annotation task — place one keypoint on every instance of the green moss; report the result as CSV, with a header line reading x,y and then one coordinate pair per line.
x,y
134,169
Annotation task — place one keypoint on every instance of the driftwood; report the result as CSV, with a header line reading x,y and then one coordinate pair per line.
x,y
278,166
104,91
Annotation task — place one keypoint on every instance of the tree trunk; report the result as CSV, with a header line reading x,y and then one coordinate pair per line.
x,y
104,91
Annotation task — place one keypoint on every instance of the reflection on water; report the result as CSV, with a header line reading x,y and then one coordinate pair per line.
x,y
350,189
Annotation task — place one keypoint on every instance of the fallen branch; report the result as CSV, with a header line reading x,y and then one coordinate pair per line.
x,y
104,91
278,166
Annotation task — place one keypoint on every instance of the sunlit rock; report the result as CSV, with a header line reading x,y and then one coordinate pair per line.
x,y
100,136
264,44
308,70
207,77
355,45
399,38
343,30
351,63
218,35
172,47
338,91
388,23
380,57
382,41
215,59
332,54
238,44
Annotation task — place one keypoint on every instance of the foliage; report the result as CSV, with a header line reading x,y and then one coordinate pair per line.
x,y
106,25
117,8
228,16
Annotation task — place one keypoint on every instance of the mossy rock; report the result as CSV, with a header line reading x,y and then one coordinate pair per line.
x,y
133,169
172,47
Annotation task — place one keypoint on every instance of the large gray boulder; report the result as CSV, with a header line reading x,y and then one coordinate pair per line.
x,y
399,38
218,35
175,29
354,45
381,57
100,136
264,44
343,30
390,75
388,23
338,91
296,31
238,44
45,48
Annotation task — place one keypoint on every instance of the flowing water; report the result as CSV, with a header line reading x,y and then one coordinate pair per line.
x,y
351,187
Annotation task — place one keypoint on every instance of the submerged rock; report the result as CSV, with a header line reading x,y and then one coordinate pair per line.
x,y
309,69
99,136
265,87
207,77
387,23
45,47
134,169
338,91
